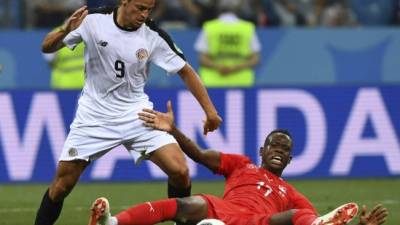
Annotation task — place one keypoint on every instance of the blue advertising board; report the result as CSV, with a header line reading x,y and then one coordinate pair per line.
x,y
338,131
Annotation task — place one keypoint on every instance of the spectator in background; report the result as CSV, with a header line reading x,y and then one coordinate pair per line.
x,y
206,10
101,3
184,13
397,12
10,13
268,15
374,12
294,12
5,13
249,10
175,13
67,67
228,49
49,13
336,13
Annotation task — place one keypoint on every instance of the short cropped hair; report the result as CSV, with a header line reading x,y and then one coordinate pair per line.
x,y
282,131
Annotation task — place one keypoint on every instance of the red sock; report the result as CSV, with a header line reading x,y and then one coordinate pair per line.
x,y
148,213
303,217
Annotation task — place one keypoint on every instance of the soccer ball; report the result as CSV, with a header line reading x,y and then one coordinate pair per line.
x,y
211,222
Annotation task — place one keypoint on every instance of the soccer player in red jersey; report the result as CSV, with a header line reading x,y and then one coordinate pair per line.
x,y
254,195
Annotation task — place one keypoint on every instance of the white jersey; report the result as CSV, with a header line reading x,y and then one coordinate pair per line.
x,y
117,67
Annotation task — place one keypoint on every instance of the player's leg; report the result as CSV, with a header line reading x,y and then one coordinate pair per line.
x,y
340,216
192,208
161,148
284,218
67,175
82,145
172,161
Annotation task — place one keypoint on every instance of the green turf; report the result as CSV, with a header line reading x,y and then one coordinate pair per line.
x,y
18,203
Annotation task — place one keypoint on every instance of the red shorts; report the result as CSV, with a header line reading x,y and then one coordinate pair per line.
x,y
233,214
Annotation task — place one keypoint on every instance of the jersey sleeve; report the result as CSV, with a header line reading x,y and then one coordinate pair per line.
x,y
166,53
76,36
299,201
231,162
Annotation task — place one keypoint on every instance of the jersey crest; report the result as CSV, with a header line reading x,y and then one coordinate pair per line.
x,y
142,54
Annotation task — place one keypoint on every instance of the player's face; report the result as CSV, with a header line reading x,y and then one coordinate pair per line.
x,y
136,12
277,154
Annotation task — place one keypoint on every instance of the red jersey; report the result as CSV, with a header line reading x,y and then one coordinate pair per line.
x,y
251,190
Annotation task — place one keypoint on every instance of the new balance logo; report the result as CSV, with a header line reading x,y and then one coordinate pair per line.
x,y
103,43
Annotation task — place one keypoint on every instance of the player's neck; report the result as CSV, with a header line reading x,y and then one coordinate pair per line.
x,y
122,22
275,172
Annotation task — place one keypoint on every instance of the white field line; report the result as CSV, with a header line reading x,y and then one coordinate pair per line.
x,y
385,202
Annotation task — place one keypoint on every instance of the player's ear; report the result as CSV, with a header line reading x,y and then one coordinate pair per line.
x,y
261,151
290,159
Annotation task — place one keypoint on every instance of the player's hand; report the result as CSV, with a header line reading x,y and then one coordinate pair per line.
x,y
212,123
159,120
75,19
377,216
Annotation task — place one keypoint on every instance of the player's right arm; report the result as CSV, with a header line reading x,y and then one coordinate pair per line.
x,y
54,40
165,121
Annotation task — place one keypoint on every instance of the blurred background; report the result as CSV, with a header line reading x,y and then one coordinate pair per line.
x,y
328,71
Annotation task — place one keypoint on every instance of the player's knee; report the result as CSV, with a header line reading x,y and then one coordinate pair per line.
x,y
179,172
179,177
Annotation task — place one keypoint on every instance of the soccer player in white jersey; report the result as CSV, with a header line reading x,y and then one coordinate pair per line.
x,y
119,46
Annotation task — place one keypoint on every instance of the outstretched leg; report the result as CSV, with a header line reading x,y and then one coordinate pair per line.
x,y
181,209
67,175
340,216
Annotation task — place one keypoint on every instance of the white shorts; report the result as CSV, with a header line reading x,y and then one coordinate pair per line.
x,y
91,142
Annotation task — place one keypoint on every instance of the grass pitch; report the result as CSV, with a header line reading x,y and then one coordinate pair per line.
x,y
19,202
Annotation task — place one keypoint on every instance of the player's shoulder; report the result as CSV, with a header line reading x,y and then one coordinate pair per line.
x,y
154,30
236,158
97,16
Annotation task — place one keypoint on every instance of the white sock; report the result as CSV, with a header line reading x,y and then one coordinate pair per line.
x,y
113,220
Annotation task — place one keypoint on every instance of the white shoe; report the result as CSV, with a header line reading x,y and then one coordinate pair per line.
x,y
100,212
340,216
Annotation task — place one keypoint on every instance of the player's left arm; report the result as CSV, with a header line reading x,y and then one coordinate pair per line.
x,y
195,85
